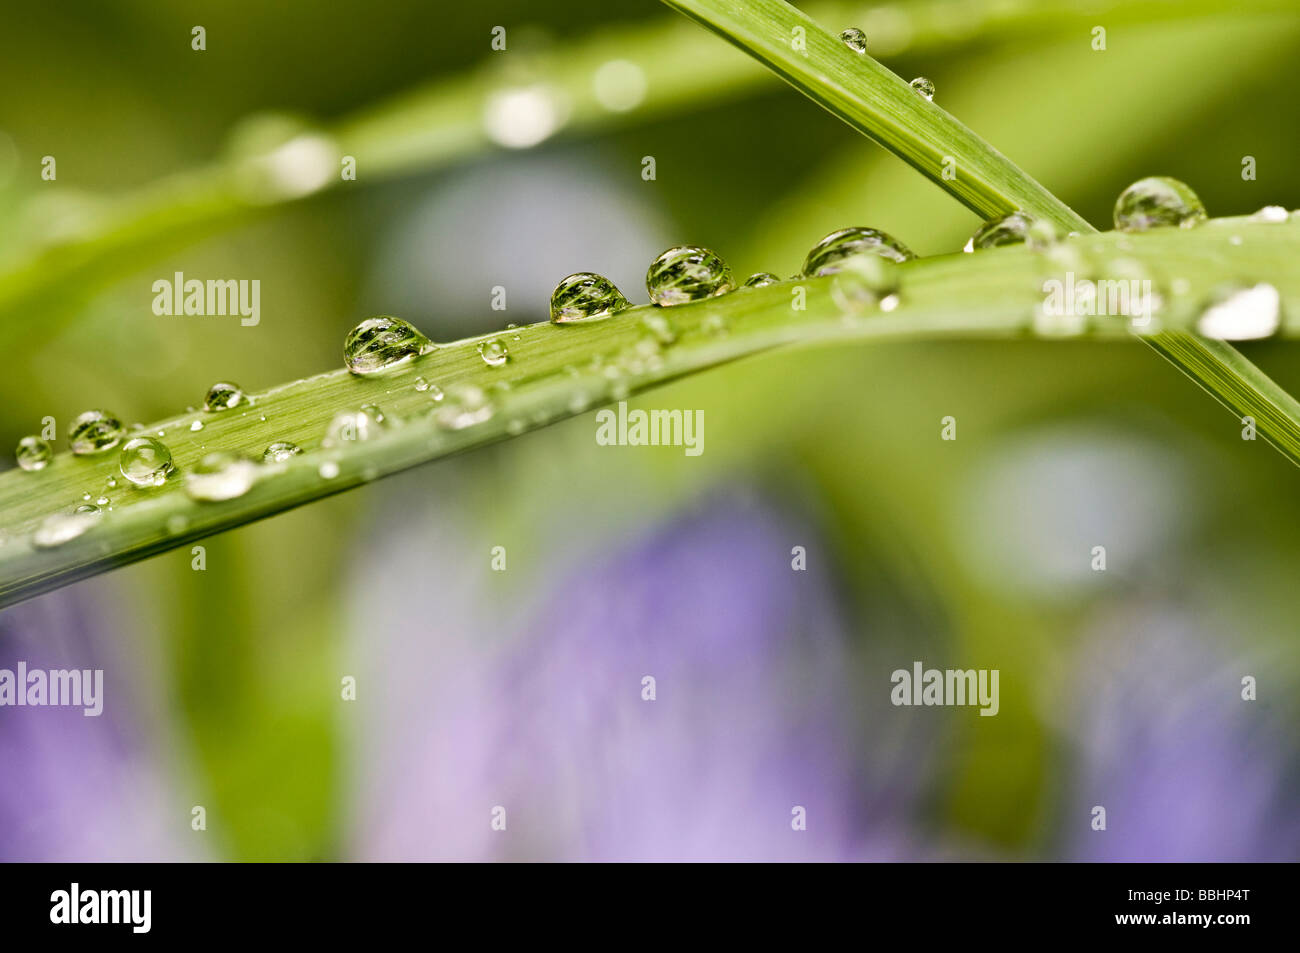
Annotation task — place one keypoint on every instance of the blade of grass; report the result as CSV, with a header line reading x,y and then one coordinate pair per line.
x,y
556,372
880,104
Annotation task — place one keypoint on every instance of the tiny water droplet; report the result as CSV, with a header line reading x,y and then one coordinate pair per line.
x,y
59,528
222,395
87,508
421,384
924,87
94,432
145,462
585,296
220,476
494,352
827,255
687,273
196,426
380,343
328,470
354,426
1271,214
761,279
33,453
435,392
1242,313
280,451
1011,229
111,482
854,39
1156,202
466,405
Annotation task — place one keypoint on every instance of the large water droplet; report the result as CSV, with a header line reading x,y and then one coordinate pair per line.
x,y
1012,229
761,279
380,343
585,296
1242,313
145,462
465,406
223,395
280,451
59,528
1271,215
827,255
33,453
1155,202
687,273
924,87
220,476
494,352
94,432
854,39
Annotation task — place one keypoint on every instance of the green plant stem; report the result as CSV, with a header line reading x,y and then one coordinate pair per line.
x,y
556,372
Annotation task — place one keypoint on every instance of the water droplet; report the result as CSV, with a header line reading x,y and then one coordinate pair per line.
x,y
522,117
687,273
585,296
145,462
854,39
924,87
1271,214
494,352
761,279
827,255
466,406
222,395
1012,229
220,476
421,384
94,432
87,508
354,427
435,392
1242,313
380,343
59,528
196,426
103,500
328,470
280,451
1155,202
33,453
111,482
863,281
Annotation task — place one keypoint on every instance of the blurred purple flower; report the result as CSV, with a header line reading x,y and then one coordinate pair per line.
x,y
77,788
1186,769
753,717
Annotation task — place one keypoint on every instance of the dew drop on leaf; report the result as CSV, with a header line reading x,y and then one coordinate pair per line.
x,y
862,282
1155,202
380,343
761,279
94,432
687,273
280,451
585,296
854,39
494,352
33,453
145,461
1011,229
59,528
222,395
924,87
465,406
828,255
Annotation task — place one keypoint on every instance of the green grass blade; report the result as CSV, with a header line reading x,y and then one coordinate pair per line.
x,y
881,105
557,372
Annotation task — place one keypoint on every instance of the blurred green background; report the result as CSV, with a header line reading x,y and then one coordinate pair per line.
x,y
973,552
